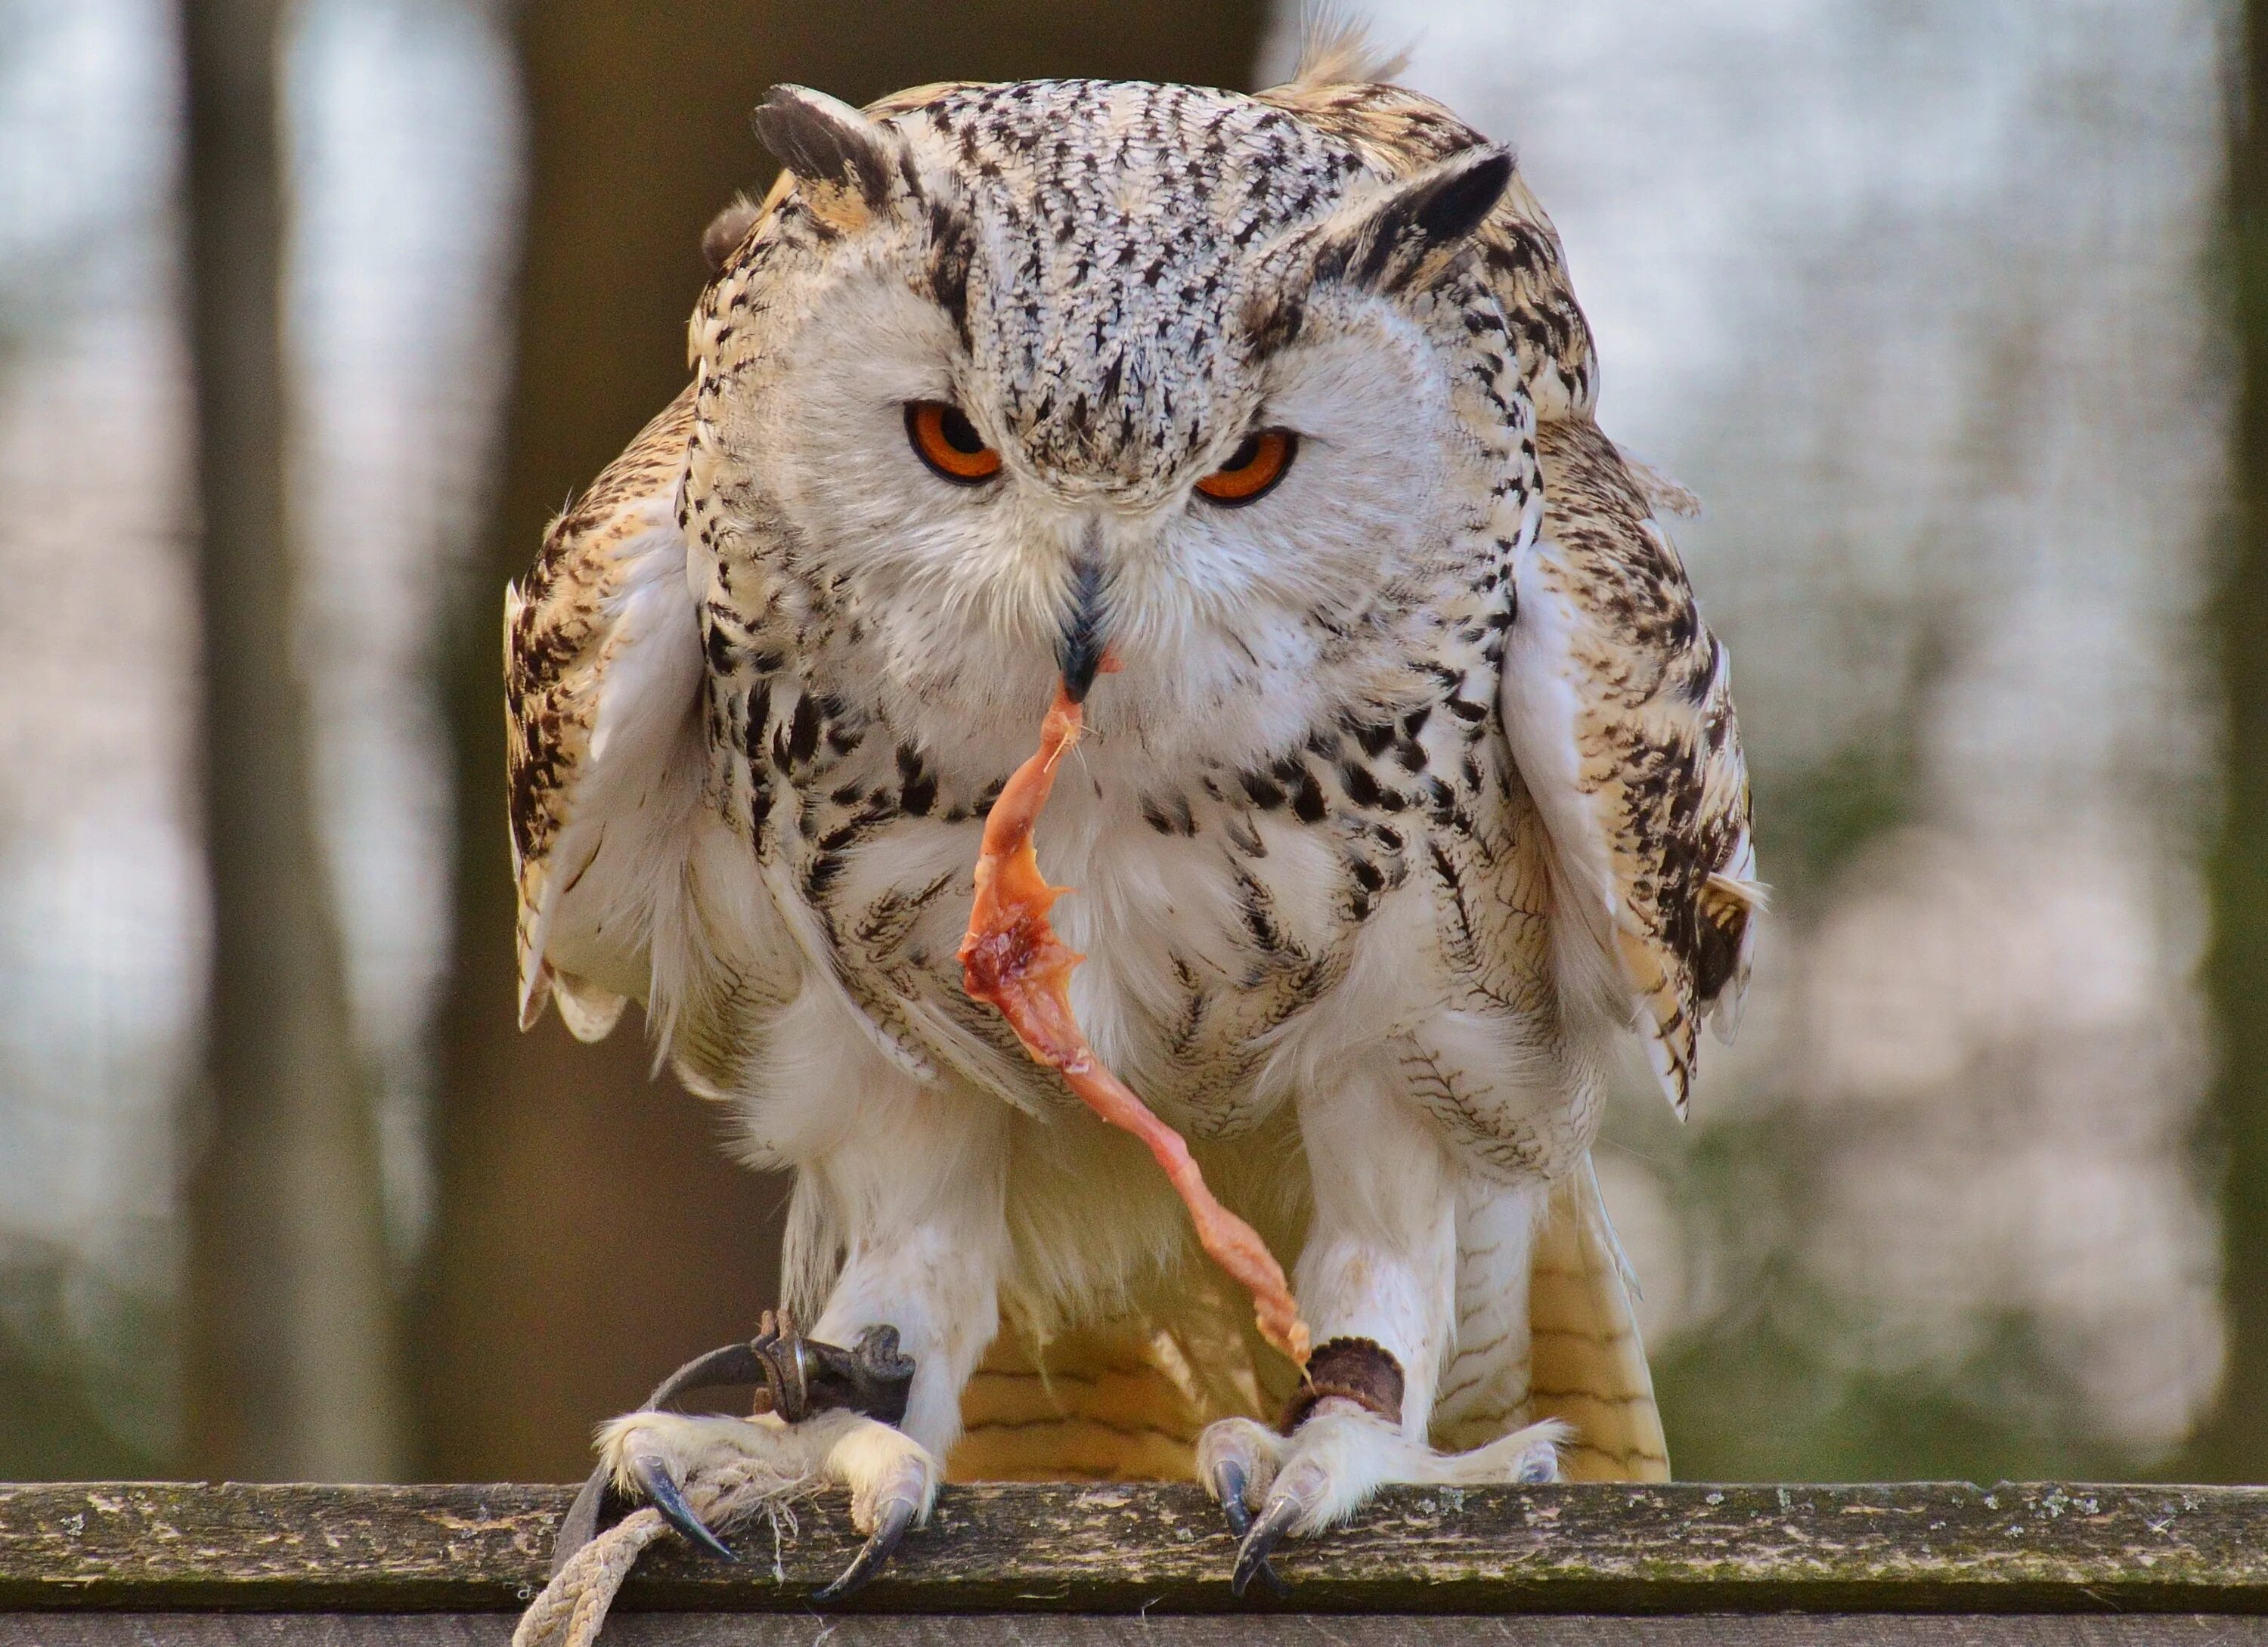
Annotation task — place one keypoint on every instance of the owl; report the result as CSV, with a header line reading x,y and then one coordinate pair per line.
x,y
1413,784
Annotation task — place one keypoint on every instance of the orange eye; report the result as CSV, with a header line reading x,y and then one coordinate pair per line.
x,y
1253,468
944,438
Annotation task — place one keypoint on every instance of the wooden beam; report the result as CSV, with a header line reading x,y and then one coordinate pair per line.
x,y
1935,1550
1057,1630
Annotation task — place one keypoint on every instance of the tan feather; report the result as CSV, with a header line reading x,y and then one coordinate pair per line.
x,y
1100,1403
1118,1400
1663,492
1587,1363
1125,1400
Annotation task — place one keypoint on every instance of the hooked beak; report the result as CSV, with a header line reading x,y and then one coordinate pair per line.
x,y
1081,649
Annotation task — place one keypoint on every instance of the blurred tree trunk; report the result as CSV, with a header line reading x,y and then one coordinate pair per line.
x,y
290,1343
2234,1446
591,1233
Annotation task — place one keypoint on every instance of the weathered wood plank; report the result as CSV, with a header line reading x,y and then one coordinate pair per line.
x,y
1031,1629
1681,1548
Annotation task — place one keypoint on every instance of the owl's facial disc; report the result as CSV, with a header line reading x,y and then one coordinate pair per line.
x,y
994,425
1251,471
891,471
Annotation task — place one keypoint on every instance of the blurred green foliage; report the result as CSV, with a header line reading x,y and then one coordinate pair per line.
x,y
1782,1379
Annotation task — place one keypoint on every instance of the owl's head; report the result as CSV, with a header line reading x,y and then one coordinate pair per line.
x,y
1012,375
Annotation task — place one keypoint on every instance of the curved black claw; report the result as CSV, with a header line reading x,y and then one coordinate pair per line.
x,y
1259,1542
662,1491
581,1525
1229,1481
897,1516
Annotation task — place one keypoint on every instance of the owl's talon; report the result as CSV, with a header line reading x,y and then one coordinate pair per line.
x,y
1283,1511
1237,1458
1229,1484
889,1527
652,1476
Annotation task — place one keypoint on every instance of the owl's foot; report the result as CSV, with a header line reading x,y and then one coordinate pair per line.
x,y
825,1415
1346,1442
687,1467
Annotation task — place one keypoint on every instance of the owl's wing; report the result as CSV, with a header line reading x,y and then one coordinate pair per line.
x,y
1617,702
602,690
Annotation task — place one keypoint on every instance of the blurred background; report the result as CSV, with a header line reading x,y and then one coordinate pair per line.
x,y
1952,312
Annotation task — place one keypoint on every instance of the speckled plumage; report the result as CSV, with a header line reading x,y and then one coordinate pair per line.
x,y
1420,776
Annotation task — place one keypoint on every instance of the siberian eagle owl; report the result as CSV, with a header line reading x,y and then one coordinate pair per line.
x,y
1417,781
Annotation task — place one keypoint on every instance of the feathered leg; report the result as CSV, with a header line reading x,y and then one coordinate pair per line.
x,y
907,1184
1378,1279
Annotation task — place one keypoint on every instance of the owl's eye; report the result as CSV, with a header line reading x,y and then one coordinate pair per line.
x,y
1253,468
944,438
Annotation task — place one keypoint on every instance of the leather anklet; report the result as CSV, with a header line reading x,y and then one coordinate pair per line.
x,y
1358,1370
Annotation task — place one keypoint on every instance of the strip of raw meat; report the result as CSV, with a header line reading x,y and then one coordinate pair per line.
x,y
1013,958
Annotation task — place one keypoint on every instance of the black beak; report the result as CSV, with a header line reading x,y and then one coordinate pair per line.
x,y
1080,651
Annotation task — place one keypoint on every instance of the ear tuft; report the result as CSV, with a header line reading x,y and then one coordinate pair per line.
x,y
1453,200
1390,238
825,142
1384,242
